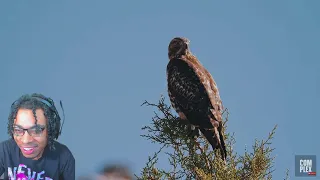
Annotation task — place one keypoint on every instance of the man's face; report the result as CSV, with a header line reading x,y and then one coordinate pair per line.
x,y
33,141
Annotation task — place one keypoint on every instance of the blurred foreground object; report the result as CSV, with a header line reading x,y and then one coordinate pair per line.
x,y
111,172
115,172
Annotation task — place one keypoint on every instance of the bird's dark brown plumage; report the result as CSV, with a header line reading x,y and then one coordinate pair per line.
x,y
193,93
187,93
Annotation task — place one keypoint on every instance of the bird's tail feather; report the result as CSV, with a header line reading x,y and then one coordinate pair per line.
x,y
213,140
210,137
223,145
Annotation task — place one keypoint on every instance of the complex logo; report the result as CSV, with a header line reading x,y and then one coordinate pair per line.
x,y
305,165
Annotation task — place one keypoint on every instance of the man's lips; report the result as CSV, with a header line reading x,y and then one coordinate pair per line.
x,y
28,149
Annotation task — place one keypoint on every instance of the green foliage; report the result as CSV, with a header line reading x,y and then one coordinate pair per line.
x,y
194,159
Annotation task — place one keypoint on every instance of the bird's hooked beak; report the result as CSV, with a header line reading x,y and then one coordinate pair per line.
x,y
188,48
187,41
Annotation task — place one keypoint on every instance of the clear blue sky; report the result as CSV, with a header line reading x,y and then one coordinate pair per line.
x,y
103,59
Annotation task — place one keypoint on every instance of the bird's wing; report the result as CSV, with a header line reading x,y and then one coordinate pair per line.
x,y
209,84
216,102
185,88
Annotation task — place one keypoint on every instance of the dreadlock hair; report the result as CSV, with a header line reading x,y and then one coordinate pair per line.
x,y
33,102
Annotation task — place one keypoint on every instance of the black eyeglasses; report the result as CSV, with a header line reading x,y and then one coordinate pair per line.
x,y
34,131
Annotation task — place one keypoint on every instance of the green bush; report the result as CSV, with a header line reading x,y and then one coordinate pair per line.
x,y
190,159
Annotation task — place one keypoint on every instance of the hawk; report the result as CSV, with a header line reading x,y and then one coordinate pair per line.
x,y
194,94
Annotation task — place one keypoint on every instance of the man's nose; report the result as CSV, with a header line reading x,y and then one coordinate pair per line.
x,y
26,138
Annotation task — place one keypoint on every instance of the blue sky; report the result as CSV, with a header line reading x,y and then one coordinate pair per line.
x,y
104,58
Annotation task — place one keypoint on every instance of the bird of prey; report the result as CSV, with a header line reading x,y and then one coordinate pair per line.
x,y
194,94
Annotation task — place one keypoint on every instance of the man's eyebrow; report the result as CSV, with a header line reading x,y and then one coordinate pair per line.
x,y
17,125
34,126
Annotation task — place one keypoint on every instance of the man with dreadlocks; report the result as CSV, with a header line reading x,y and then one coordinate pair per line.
x,y
32,152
